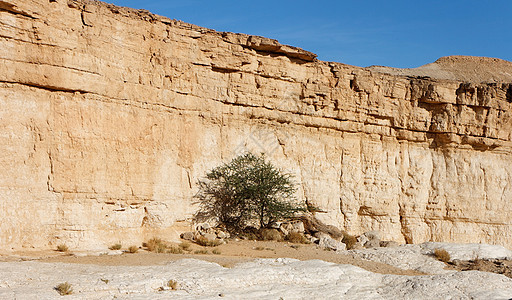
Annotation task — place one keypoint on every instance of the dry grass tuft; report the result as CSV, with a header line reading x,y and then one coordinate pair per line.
x,y
172,284
185,246
271,234
442,255
297,238
349,240
216,251
156,245
64,289
62,248
207,243
175,250
117,246
201,252
133,249
251,236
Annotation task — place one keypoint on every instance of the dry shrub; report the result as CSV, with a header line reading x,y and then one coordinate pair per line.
x,y
297,238
156,245
349,240
185,246
133,249
117,246
64,289
172,284
175,250
216,251
62,248
442,255
207,242
201,252
271,234
259,248
251,236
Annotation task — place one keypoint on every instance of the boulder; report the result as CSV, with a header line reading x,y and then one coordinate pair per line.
x,y
311,238
210,236
327,242
222,234
362,240
389,244
298,226
286,228
202,227
370,239
372,235
189,236
372,244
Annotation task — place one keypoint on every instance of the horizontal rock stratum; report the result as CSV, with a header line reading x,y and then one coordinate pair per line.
x,y
109,116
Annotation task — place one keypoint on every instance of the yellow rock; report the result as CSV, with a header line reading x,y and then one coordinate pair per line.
x,y
109,116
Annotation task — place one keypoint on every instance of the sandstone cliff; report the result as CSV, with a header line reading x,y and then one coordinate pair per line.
x,y
108,116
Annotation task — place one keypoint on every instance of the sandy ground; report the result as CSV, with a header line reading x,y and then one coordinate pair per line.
x,y
261,270
232,253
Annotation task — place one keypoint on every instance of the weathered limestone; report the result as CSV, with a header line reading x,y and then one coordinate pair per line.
x,y
108,116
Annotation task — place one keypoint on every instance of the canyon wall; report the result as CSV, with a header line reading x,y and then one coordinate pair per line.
x,y
109,116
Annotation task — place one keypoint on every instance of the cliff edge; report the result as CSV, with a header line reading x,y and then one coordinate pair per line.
x,y
109,116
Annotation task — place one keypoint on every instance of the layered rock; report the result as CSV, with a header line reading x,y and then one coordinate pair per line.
x,y
109,116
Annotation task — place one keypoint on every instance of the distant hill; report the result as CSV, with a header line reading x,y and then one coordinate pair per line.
x,y
463,68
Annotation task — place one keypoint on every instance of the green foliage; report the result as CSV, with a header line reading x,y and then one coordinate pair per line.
x,y
245,190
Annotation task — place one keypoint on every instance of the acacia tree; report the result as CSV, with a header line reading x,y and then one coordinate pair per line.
x,y
247,189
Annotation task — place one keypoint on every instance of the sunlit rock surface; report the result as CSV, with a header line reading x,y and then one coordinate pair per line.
x,y
109,116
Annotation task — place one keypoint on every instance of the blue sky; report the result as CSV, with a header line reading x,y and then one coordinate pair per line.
x,y
394,33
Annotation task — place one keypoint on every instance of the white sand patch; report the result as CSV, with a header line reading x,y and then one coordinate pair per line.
x,y
259,279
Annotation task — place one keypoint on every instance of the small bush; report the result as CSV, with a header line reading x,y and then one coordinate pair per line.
x,y
207,243
349,240
297,237
295,246
259,248
201,252
216,251
64,289
62,248
271,234
442,255
172,284
175,250
116,247
185,246
251,236
156,245
133,249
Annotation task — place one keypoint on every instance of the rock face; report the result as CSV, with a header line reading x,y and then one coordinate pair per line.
x,y
108,116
